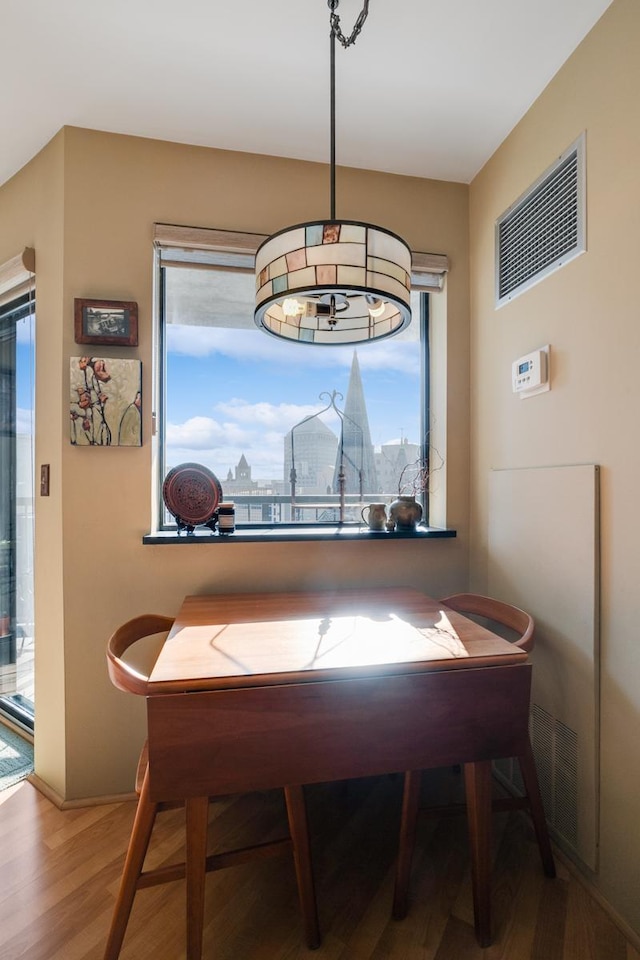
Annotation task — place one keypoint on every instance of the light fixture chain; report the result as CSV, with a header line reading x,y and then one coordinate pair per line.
x,y
333,302
336,31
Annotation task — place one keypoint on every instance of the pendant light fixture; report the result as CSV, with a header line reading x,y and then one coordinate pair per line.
x,y
333,282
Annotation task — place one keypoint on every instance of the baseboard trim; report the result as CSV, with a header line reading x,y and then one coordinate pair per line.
x,y
592,890
62,804
581,876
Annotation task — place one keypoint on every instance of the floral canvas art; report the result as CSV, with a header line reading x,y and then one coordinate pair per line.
x,y
105,402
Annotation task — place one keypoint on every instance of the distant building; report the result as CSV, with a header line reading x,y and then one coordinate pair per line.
x,y
355,455
391,460
241,482
311,447
316,452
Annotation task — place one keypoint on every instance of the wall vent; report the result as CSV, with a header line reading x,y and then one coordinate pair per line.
x,y
555,748
545,228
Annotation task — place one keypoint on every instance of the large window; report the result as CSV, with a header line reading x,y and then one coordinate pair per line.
x,y
17,327
296,434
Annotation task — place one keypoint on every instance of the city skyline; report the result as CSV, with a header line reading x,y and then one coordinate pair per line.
x,y
232,389
220,406
315,457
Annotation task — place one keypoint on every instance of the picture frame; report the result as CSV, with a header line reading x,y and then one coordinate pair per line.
x,y
106,322
105,402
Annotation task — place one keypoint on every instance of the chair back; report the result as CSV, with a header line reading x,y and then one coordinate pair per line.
x,y
498,611
133,678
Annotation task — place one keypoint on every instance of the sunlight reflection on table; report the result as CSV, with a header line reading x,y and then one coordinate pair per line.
x,y
320,643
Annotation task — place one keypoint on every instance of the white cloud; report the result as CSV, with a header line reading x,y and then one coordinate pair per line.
x,y
191,341
204,433
266,460
280,417
256,430
391,355
250,345
24,421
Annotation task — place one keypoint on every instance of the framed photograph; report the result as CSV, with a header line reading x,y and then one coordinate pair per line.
x,y
106,322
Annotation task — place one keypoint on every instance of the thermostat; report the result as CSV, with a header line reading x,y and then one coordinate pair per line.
x,y
530,374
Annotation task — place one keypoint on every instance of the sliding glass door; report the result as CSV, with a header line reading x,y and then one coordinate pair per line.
x,y
17,328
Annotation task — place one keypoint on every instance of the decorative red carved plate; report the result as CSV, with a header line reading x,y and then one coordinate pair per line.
x,y
191,494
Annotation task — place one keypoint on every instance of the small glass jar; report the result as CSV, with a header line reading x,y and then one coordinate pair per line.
x,y
227,517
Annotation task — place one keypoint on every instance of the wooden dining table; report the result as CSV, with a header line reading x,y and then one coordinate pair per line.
x,y
257,691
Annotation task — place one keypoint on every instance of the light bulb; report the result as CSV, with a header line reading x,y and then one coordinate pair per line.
x,y
376,307
292,307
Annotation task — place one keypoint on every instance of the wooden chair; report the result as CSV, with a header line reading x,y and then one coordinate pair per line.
x,y
504,614
499,614
133,677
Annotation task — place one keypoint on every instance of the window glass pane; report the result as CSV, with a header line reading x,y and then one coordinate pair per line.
x,y
17,325
280,424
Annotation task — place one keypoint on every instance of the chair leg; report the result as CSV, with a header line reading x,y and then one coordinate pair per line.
x,y
478,790
299,830
197,819
134,861
406,843
532,787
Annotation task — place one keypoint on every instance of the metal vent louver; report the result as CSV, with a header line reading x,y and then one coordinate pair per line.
x,y
544,229
555,748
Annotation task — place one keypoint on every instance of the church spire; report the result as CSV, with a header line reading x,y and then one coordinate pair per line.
x,y
357,450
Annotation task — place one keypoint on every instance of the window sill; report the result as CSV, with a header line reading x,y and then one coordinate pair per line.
x,y
294,535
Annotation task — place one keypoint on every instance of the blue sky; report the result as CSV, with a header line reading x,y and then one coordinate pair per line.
x,y
24,375
237,390
234,391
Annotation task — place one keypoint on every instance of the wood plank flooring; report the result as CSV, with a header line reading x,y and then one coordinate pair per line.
x,y
59,873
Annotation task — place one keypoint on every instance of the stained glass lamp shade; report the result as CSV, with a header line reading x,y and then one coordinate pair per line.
x,y
333,282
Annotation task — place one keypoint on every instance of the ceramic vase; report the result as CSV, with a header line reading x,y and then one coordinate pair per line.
x,y
406,512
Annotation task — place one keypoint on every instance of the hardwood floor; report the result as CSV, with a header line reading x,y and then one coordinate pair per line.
x,y
60,869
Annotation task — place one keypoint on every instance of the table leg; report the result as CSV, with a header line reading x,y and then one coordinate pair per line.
x,y
478,792
406,842
299,829
197,815
530,780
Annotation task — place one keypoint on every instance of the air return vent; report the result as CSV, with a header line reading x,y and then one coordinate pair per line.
x,y
555,747
556,751
544,229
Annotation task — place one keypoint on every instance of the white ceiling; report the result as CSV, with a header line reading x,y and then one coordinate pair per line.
x,y
430,88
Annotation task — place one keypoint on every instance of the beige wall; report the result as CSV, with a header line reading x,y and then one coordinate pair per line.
x,y
588,312
32,214
88,204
